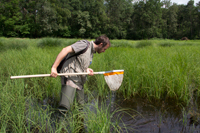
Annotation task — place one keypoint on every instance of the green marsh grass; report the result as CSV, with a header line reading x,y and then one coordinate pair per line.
x,y
153,72
123,43
143,43
29,59
54,42
104,119
15,44
49,42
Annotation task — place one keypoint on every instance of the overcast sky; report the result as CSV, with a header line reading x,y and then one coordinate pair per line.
x,y
184,2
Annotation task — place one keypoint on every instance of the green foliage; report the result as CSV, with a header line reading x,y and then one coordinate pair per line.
x,y
10,17
118,19
119,15
63,31
23,29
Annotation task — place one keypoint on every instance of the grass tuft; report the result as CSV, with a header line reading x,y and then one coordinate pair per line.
x,y
144,43
49,42
12,44
166,44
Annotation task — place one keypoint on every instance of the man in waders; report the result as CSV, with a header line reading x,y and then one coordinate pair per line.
x,y
78,58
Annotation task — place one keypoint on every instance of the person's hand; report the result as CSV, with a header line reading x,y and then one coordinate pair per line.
x,y
54,72
90,71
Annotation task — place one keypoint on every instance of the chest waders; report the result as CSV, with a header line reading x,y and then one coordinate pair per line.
x,y
68,92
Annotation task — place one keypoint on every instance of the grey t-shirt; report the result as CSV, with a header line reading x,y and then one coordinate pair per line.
x,y
78,46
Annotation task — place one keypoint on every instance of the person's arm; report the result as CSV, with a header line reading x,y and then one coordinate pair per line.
x,y
59,58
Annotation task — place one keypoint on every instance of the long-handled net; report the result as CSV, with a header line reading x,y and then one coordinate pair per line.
x,y
113,78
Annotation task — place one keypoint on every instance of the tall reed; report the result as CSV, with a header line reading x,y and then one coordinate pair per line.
x,y
152,72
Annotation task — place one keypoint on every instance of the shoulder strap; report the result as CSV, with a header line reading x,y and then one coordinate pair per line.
x,y
80,52
66,58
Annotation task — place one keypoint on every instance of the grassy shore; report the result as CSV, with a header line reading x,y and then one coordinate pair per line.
x,y
154,69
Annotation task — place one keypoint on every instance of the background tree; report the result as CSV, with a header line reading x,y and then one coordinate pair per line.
x,y
186,20
165,11
147,19
63,14
191,18
119,14
172,21
97,18
39,17
197,33
119,19
10,18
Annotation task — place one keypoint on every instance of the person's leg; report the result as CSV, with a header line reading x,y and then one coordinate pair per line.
x,y
80,97
67,97
81,101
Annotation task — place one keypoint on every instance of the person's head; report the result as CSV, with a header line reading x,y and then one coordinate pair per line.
x,y
102,43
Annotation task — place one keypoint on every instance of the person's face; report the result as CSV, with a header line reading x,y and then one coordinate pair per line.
x,y
102,49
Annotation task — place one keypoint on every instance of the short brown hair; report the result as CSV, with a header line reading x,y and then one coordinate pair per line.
x,y
102,39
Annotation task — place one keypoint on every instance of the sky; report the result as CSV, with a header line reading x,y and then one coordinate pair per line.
x,y
179,2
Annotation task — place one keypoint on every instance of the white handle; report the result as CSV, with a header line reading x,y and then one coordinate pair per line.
x,y
48,75
61,74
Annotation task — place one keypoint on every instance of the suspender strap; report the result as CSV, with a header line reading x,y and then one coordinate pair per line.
x,y
66,57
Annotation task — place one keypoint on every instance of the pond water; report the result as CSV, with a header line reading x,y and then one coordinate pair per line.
x,y
151,117
156,117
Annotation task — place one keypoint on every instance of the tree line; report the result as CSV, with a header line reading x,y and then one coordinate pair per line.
x,y
118,19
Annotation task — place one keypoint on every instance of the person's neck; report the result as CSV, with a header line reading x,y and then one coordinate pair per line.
x,y
95,46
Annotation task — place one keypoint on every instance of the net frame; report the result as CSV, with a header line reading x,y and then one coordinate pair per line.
x,y
114,79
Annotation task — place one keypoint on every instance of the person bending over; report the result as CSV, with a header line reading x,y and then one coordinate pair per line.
x,y
79,57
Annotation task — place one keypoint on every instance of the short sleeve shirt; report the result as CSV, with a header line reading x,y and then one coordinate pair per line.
x,y
78,46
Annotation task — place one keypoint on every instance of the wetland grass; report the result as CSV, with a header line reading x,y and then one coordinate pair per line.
x,y
104,119
153,72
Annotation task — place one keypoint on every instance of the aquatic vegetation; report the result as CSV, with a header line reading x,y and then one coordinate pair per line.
x,y
160,70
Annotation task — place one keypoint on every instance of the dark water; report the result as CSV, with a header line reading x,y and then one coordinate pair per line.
x,y
167,116
149,117
160,116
